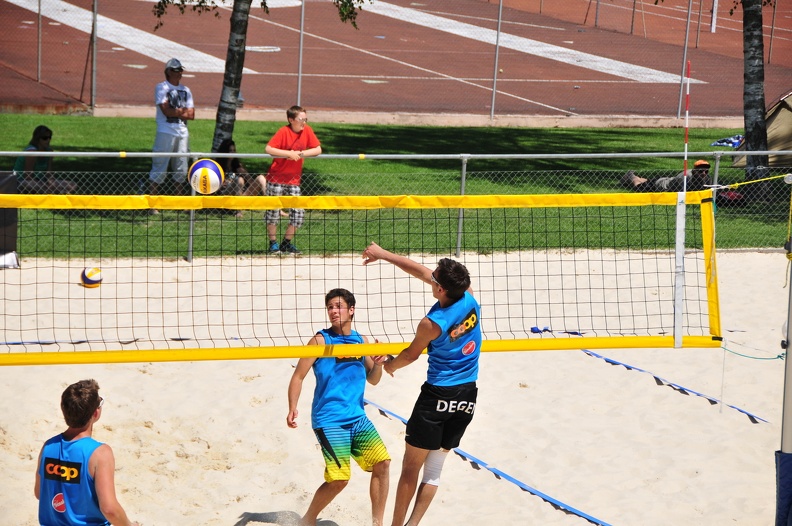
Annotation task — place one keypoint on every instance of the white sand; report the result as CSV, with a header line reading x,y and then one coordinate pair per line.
x,y
207,443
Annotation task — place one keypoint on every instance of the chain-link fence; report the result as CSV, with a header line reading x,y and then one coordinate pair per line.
x,y
51,42
752,208
456,56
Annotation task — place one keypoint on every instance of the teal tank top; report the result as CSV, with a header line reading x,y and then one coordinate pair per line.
x,y
454,355
67,494
340,384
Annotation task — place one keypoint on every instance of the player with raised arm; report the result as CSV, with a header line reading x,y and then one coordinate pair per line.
x,y
451,334
337,414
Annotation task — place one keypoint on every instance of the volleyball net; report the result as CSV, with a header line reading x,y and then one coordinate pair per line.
x,y
551,272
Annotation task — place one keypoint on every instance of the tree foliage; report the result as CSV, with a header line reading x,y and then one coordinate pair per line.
x,y
737,3
347,9
160,9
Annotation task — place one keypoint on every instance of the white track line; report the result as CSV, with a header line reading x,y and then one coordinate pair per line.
x,y
162,49
437,74
526,45
121,34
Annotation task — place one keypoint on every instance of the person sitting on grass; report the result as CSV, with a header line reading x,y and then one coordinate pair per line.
x,y
234,171
258,186
697,179
34,174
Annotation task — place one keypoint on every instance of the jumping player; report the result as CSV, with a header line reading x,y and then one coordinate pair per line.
x,y
451,333
337,415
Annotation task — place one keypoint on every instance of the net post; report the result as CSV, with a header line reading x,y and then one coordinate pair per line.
x,y
786,418
707,208
679,270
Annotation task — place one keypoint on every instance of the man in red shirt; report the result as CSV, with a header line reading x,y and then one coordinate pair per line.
x,y
289,146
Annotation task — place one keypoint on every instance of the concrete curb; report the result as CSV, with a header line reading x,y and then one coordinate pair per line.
x,y
449,119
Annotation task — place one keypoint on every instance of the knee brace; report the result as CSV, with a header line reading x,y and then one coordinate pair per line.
x,y
433,466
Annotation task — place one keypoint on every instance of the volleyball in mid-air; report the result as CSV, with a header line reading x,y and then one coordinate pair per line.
x,y
91,277
206,176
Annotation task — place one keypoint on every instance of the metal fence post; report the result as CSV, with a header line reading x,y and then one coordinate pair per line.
x,y
715,174
38,45
94,38
191,235
684,59
460,221
495,69
300,54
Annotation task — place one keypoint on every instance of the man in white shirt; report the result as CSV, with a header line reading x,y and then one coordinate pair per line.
x,y
175,107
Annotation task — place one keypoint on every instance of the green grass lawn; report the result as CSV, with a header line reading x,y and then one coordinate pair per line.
x,y
86,134
762,223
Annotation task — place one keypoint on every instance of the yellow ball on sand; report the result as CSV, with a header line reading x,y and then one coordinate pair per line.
x,y
91,277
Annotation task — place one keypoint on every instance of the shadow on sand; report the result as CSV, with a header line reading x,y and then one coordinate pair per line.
x,y
284,518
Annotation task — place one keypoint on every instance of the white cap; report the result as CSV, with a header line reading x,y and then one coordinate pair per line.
x,y
173,64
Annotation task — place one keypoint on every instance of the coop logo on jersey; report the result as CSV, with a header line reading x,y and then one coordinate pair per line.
x,y
347,359
62,470
470,323
59,503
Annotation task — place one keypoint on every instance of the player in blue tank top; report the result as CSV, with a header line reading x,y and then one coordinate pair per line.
x,y
337,414
74,479
451,334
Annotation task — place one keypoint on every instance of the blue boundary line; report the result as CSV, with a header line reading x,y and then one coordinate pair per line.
x,y
477,464
684,390
70,342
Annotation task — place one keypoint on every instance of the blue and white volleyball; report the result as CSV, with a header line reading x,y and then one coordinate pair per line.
x,y
206,176
91,277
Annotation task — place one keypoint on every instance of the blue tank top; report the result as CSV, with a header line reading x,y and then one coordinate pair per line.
x,y
67,495
340,383
454,355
